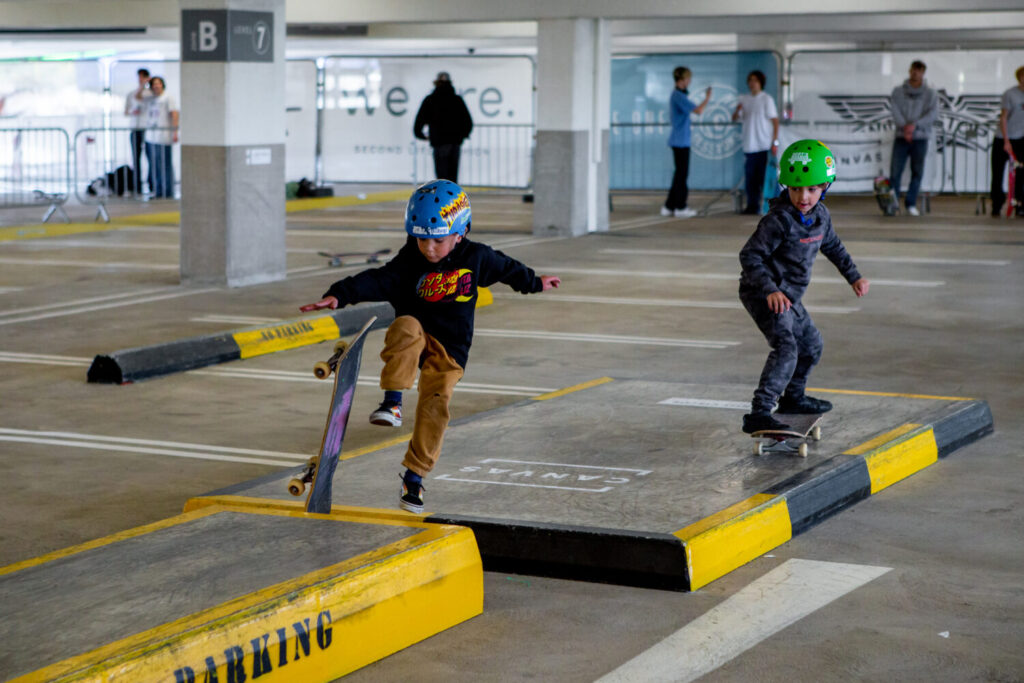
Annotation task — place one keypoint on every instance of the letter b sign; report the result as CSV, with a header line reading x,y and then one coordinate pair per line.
x,y
207,36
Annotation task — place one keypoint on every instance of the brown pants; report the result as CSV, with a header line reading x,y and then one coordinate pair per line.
x,y
406,348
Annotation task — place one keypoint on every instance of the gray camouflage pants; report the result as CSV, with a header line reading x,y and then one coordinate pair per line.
x,y
796,348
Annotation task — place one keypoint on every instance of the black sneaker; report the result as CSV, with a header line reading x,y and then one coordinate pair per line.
x,y
388,414
803,405
758,422
412,497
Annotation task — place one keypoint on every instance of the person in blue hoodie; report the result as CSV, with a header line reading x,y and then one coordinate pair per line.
x,y
915,107
681,107
432,283
777,262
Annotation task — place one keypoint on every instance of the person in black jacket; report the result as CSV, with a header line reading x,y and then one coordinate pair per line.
x,y
777,262
432,284
445,114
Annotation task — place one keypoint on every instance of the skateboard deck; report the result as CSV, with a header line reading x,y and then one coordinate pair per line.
x,y
771,183
319,471
1012,200
885,197
334,260
790,441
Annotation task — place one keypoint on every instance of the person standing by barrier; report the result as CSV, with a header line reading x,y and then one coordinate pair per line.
x,y
760,136
445,115
915,107
680,110
135,104
1009,140
163,123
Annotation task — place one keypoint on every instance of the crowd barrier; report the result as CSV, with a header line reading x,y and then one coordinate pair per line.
x,y
494,155
35,169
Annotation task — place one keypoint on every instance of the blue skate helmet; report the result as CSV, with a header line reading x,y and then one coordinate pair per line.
x,y
437,209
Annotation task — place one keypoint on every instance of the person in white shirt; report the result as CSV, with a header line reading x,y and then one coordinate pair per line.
x,y
760,136
1009,140
135,110
162,116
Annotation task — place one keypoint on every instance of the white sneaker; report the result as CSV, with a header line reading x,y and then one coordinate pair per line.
x,y
665,211
684,213
912,210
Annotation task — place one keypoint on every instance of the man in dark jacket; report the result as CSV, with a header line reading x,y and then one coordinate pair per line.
x,y
445,114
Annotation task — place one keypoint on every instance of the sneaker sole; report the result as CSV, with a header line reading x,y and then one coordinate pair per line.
x,y
384,421
409,507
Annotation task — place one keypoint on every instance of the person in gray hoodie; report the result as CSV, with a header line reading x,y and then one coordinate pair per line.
x,y
915,107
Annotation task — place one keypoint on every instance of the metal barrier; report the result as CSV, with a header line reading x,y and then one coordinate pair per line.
x,y
123,164
495,155
35,169
639,157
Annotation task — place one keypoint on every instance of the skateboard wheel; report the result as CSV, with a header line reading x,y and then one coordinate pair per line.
x,y
816,433
322,370
802,450
296,486
340,346
758,448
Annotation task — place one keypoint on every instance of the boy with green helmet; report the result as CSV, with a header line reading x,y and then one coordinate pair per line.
x,y
777,262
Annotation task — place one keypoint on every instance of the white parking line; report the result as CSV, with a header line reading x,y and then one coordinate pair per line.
x,y
176,449
119,265
277,375
734,277
637,301
778,599
546,335
912,260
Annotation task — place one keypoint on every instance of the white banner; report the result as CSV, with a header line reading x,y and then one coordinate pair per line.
x,y
846,95
370,105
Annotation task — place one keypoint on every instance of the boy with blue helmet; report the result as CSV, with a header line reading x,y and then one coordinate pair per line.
x,y
432,283
777,262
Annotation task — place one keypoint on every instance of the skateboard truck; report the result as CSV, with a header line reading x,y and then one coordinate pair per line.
x,y
297,484
790,441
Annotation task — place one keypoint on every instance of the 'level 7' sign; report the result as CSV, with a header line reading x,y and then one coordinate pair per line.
x,y
220,35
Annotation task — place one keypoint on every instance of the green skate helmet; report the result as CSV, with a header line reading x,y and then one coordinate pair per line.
x,y
806,163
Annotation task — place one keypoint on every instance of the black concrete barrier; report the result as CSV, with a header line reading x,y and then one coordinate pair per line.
x,y
144,362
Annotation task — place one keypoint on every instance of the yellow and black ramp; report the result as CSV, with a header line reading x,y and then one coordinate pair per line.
x,y
144,362
232,594
652,483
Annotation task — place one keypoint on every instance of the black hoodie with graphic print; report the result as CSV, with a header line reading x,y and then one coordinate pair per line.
x,y
779,256
441,296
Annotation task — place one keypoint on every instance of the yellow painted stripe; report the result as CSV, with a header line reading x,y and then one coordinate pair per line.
x,y
362,605
719,544
890,464
25,232
852,392
376,447
106,540
881,439
316,203
576,387
484,297
286,336
296,507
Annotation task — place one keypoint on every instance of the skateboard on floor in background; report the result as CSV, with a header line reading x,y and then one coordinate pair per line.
x,y
1012,200
771,183
319,471
792,441
885,197
336,260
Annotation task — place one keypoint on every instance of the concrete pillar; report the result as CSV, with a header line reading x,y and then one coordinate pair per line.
x,y
233,142
573,102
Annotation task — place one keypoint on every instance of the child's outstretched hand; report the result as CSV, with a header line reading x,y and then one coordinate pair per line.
x,y
779,302
550,282
860,287
327,302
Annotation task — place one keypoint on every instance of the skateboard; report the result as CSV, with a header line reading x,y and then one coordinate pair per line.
x,y
885,197
319,470
336,260
789,441
1012,201
771,183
